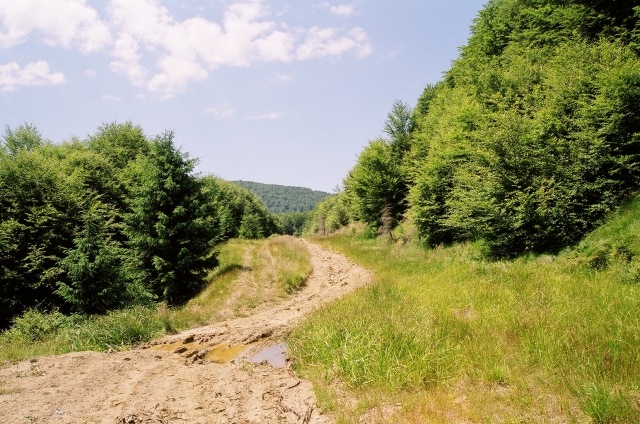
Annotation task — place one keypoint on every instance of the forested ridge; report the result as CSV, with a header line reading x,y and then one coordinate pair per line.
x,y
114,220
529,141
279,198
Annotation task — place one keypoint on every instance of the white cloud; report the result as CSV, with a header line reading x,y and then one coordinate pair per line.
x,y
163,54
322,42
60,23
343,10
276,47
185,51
284,78
112,98
35,73
220,111
90,73
127,60
271,115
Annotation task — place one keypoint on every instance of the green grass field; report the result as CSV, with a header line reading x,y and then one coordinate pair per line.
x,y
443,335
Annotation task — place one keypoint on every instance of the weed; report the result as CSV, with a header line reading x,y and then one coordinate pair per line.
x,y
607,406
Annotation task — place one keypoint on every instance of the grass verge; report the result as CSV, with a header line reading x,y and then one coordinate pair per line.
x,y
445,336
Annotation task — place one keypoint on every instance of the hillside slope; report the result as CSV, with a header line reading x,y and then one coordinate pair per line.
x,y
279,198
528,142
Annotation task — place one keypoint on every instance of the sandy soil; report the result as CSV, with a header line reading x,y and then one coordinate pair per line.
x,y
184,378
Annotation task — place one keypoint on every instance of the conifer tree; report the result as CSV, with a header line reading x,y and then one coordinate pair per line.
x,y
93,269
172,228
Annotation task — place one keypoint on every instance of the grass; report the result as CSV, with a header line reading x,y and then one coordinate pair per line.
x,y
39,333
281,265
452,337
293,263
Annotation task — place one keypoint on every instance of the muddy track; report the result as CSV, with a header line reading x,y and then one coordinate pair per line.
x,y
185,378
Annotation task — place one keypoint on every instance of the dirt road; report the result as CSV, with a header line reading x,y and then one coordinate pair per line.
x,y
185,378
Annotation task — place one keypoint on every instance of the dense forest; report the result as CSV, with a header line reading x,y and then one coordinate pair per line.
x,y
116,219
528,142
279,199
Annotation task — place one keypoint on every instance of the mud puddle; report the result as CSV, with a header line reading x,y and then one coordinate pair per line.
x,y
220,353
273,355
224,353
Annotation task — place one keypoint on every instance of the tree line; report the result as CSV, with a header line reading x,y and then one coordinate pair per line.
x,y
281,199
528,142
115,219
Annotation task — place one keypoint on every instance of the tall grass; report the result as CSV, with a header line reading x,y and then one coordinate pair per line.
x,y
454,337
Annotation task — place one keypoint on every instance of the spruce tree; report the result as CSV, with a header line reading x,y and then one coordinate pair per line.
x,y
172,228
93,269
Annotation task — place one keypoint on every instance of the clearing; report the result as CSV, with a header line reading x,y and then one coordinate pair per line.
x,y
188,377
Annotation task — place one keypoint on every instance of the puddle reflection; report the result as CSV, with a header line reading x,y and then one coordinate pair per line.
x,y
274,355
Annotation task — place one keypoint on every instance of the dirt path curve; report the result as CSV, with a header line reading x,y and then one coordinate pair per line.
x,y
175,380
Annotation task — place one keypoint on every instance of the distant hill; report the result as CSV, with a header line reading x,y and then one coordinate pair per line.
x,y
280,198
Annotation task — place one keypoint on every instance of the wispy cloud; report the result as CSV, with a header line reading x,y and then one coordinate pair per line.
x,y
343,10
271,116
322,42
284,78
111,98
34,73
220,111
90,73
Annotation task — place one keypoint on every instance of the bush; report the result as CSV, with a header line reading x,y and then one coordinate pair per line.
x,y
35,325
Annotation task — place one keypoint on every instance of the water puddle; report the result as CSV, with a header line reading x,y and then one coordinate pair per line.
x,y
274,356
224,353
173,346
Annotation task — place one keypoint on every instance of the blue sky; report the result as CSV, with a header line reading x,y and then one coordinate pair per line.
x,y
275,91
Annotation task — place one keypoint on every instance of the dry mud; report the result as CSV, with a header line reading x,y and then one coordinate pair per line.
x,y
185,378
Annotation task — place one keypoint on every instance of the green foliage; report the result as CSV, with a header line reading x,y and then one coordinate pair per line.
x,y
376,182
280,198
119,143
34,325
241,213
95,280
398,127
92,225
250,227
293,223
330,215
538,156
25,137
171,228
39,212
